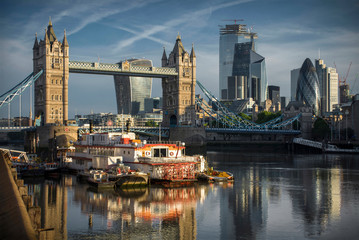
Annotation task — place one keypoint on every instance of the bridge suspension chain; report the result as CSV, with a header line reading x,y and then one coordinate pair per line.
x,y
231,120
241,122
8,96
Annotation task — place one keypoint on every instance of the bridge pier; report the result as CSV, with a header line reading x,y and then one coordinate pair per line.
x,y
195,136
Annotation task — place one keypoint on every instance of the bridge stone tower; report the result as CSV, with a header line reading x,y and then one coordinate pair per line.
x,y
51,88
179,91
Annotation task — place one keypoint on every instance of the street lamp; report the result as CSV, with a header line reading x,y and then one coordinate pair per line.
x,y
346,124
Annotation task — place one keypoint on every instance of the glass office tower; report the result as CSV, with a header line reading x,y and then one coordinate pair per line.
x,y
328,86
242,72
132,91
308,86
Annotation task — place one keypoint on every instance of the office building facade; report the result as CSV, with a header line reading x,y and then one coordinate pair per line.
x,y
242,72
328,86
294,74
132,91
274,94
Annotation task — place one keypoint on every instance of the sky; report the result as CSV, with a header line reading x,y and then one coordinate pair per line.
x,y
289,31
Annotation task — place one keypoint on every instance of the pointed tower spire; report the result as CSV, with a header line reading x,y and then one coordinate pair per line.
x,y
46,39
36,43
164,58
193,55
64,42
164,55
50,32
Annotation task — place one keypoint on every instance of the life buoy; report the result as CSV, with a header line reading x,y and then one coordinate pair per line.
x,y
148,153
171,154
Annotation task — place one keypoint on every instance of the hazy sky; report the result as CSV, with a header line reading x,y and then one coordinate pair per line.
x,y
289,31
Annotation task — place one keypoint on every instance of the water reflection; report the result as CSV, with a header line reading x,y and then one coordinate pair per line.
x,y
273,197
304,193
51,196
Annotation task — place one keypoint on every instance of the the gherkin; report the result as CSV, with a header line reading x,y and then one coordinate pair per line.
x,y
308,86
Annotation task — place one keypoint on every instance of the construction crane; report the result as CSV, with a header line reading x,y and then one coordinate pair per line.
x,y
346,76
234,20
343,81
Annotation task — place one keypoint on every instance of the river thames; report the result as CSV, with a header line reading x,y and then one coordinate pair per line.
x,y
274,196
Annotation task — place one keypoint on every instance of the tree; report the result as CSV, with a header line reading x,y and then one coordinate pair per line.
x,y
266,116
321,129
245,116
151,123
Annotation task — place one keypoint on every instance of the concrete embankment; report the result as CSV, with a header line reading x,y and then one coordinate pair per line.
x,y
15,221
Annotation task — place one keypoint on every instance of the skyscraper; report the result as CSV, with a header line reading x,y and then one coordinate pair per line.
x,y
328,86
294,74
132,91
274,94
308,86
242,72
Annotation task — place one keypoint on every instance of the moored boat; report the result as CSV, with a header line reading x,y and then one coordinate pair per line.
x,y
215,176
100,180
161,161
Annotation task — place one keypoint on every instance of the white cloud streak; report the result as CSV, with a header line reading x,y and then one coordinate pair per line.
x,y
189,17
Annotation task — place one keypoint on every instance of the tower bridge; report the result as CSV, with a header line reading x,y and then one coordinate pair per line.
x,y
51,69
178,74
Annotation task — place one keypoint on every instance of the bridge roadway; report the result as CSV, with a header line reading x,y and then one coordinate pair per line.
x,y
120,69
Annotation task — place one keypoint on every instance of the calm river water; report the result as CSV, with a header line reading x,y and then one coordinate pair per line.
x,y
273,197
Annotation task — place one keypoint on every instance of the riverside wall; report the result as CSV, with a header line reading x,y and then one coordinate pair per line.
x,y
15,221
19,219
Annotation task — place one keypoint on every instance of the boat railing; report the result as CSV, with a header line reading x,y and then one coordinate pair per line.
x,y
177,143
169,159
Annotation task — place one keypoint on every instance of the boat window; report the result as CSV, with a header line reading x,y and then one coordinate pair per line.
x,y
160,152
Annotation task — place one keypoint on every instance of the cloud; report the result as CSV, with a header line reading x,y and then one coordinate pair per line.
x,y
286,49
189,18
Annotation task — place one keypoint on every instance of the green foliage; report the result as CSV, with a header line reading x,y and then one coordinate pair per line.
x,y
347,131
151,123
320,129
266,116
245,116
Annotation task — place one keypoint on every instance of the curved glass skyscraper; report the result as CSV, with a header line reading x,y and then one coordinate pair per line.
x,y
308,86
132,91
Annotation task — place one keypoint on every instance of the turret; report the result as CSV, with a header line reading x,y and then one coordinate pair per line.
x,y
164,58
64,41
36,43
193,55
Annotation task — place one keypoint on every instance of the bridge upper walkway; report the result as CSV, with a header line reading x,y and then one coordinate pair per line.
x,y
119,69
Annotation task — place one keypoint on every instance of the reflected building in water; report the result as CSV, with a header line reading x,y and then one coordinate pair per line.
x,y
320,201
248,205
51,197
165,213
